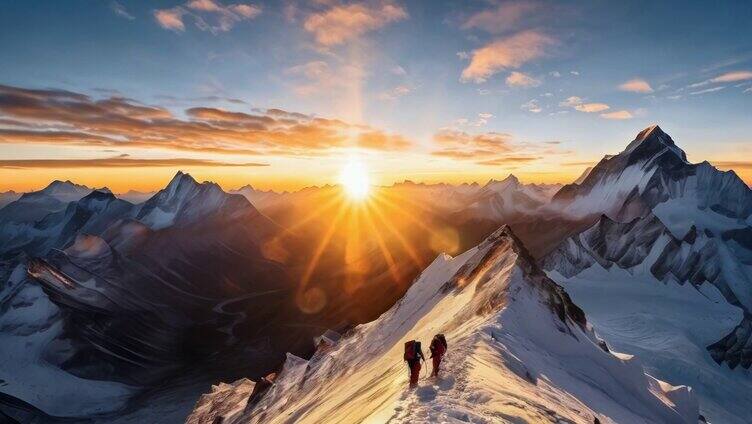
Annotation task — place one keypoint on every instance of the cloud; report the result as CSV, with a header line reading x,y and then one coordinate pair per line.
x,y
505,53
532,106
479,122
518,79
636,85
577,103
505,17
708,90
319,78
395,92
555,74
342,23
122,161
120,10
460,144
171,19
748,90
207,15
575,73
592,107
733,76
398,70
508,160
61,117
489,149
571,101
619,115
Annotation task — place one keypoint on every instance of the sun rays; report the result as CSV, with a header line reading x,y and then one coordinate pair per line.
x,y
361,239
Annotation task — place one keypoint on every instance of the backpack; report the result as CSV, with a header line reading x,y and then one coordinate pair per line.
x,y
412,348
442,339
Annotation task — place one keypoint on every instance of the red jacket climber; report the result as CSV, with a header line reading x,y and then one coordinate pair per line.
x,y
438,349
413,356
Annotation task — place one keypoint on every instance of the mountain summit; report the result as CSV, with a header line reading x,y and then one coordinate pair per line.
x,y
653,170
185,200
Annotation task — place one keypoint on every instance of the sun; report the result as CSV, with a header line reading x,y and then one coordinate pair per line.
x,y
355,181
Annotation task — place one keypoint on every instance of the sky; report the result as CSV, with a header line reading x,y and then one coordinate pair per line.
x,y
285,94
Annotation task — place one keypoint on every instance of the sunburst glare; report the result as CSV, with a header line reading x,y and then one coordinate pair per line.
x,y
355,180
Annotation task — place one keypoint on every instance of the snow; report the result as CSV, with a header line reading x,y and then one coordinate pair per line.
x,y
680,214
668,326
610,192
510,359
29,332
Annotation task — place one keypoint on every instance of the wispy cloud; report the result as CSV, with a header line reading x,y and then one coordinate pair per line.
x,y
489,148
505,53
342,23
207,15
532,106
519,79
618,115
734,76
458,144
318,77
503,18
578,104
122,161
395,93
637,85
481,120
708,90
64,117
121,11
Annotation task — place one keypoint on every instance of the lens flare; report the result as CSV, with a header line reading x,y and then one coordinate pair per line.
x,y
355,181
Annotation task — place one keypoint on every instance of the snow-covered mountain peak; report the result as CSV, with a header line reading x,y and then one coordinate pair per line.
x,y
512,335
653,141
184,199
652,174
510,180
58,186
98,200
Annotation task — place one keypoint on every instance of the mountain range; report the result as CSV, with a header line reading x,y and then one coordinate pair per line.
x,y
135,308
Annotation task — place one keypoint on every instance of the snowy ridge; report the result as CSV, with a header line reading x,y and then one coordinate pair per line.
x,y
519,350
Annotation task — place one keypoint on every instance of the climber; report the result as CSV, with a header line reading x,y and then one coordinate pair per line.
x,y
438,348
413,356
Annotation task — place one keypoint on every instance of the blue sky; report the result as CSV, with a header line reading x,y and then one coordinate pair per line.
x,y
545,81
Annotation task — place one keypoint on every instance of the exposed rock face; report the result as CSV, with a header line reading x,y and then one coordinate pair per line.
x,y
736,348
